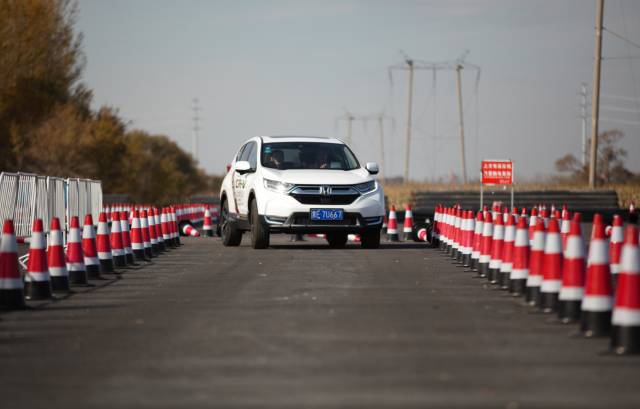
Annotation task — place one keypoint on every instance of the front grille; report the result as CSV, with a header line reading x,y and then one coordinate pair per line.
x,y
311,195
325,200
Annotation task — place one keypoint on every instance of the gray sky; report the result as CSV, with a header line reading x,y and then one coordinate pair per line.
x,y
291,67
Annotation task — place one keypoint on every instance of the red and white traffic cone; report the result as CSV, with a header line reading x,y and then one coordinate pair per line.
x,y
521,252
146,235
137,242
551,268
467,238
207,226
497,242
533,222
117,247
189,230
595,318
37,279
625,333
153,236
573,271
444,230
507,253
164,228
126,238
485,247
175,227
162,247
103,242
89,249
56,259
392,229
457,247
535,263
11,284
477,240
422,234
615,245
565,227
75,256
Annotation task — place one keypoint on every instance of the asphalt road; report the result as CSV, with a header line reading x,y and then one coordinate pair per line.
x,y
302,326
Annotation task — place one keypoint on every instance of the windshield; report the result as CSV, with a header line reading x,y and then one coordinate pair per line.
x,y
307,155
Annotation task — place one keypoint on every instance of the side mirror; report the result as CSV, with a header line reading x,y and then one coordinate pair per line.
x,y
372,168
243,167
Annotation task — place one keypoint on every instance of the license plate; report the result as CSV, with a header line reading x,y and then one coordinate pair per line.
x,y
327,214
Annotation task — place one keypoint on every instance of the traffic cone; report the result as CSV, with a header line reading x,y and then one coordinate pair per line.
x,y
595,318
153,236
162,247
392,229
125,231
449,228
535,263
507,253
164,227
75,256
565,227
521,253
437,217
422,234
11,284
174,226
441,227
89,249
103,242
551,268
467,239
573,270
455,229
485,247
477,239
117,247
533,221
207,226
189,230
56,259
625,333
615,245
146,235
137,243
497,242
37,278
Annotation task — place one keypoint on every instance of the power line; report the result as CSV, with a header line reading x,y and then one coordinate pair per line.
x,y
621,37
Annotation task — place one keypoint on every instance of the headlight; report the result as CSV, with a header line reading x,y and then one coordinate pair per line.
x,y
366,186
280,187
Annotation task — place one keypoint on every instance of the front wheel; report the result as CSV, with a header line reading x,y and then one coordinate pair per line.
x,y
370,239
259,232
231,236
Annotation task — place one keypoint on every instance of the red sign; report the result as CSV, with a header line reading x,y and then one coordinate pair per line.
x,y
497,172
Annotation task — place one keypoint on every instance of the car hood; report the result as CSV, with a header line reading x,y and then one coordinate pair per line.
x,y
318,176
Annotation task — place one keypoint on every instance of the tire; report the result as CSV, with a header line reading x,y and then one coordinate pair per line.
x,y
259,232
231,236
337,240
370,239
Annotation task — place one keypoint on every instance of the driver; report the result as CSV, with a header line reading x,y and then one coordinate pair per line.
x,y
322,159
276,159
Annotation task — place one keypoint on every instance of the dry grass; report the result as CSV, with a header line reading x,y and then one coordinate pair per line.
x,y
399,194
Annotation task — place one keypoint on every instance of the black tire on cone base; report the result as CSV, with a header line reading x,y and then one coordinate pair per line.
x,y
595,323
517,287
60,284
106,265
503,280
483,270
93,271
493,275
569,311
12,299
37,290
533,296
549,302
78,277
625,340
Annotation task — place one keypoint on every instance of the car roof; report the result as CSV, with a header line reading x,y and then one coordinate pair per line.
x,y
319,139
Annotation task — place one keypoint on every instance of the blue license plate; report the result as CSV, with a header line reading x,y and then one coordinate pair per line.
x,y
327,214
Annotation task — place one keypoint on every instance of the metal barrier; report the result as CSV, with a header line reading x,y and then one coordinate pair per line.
x,y
25,197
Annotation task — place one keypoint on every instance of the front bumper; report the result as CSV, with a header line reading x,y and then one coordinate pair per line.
x,y
299,222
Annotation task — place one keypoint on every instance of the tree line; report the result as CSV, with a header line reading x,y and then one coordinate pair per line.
x,y
47,125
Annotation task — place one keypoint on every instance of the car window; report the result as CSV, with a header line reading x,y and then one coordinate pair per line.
x,y
308,155
240,152
246,153
253,156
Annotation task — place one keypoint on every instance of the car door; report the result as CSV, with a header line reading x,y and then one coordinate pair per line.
x,y
242,185
236,179
249,177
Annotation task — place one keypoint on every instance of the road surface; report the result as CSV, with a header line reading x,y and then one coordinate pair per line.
x,y
302,326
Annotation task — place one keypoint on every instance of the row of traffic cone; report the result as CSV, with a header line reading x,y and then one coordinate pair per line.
x,y
543,258
390,224
89,254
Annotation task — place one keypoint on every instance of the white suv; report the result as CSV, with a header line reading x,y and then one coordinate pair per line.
x,y
301,184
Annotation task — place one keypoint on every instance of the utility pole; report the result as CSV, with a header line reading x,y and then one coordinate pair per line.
x,y
407,151
381,127
583,117
595,98
196,128
462,151
349,117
